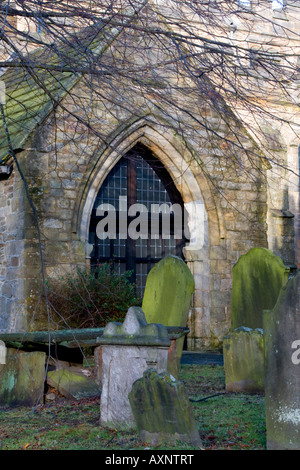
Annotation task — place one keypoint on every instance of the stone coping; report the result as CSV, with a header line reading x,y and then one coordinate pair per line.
x,y
140,340
76,337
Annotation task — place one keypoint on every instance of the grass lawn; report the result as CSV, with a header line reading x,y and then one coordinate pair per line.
x,y
226,421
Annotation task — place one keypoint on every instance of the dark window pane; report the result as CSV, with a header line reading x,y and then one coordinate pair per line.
x,y
142,179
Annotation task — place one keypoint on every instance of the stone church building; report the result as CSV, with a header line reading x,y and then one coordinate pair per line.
x,y
65,151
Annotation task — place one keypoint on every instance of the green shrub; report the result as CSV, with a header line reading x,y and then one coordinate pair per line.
x,y
90,299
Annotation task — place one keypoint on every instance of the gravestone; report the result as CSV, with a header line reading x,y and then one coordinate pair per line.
x,y
282,372
162,411
243,352
257,278
128,350
22,378
168,294
2,352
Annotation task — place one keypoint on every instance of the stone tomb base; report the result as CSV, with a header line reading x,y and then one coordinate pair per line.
x,y
121,367
128,350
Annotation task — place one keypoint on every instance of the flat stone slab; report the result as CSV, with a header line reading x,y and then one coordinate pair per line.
x,y
73,383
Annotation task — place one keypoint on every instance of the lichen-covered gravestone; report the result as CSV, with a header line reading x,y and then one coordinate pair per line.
x,y
243,352
257,278
168,294
162,410
22,378
282,369
128,350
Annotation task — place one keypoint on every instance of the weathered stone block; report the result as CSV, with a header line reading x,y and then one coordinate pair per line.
x,y
127,350
135,331
121,367
22,378
243,352
162,411
282,372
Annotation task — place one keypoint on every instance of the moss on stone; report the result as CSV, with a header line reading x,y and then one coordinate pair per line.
x,y
257,279
72,384
22,378
162,410
243,352
135,331
168,293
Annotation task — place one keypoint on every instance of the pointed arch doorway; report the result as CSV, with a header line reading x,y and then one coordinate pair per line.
x,y
140,203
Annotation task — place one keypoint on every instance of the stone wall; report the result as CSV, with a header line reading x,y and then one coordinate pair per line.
x,y
12,220
65,166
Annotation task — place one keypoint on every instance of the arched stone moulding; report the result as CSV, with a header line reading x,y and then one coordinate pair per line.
x,y
205,220
178,160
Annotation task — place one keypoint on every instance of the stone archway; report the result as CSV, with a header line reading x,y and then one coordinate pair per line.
x,y
204,216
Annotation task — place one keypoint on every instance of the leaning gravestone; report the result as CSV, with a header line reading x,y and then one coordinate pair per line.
x,y
282,369
162,411
128,350
168,294
257,278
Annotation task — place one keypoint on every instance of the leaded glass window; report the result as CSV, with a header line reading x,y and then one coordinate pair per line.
x,y
136,184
